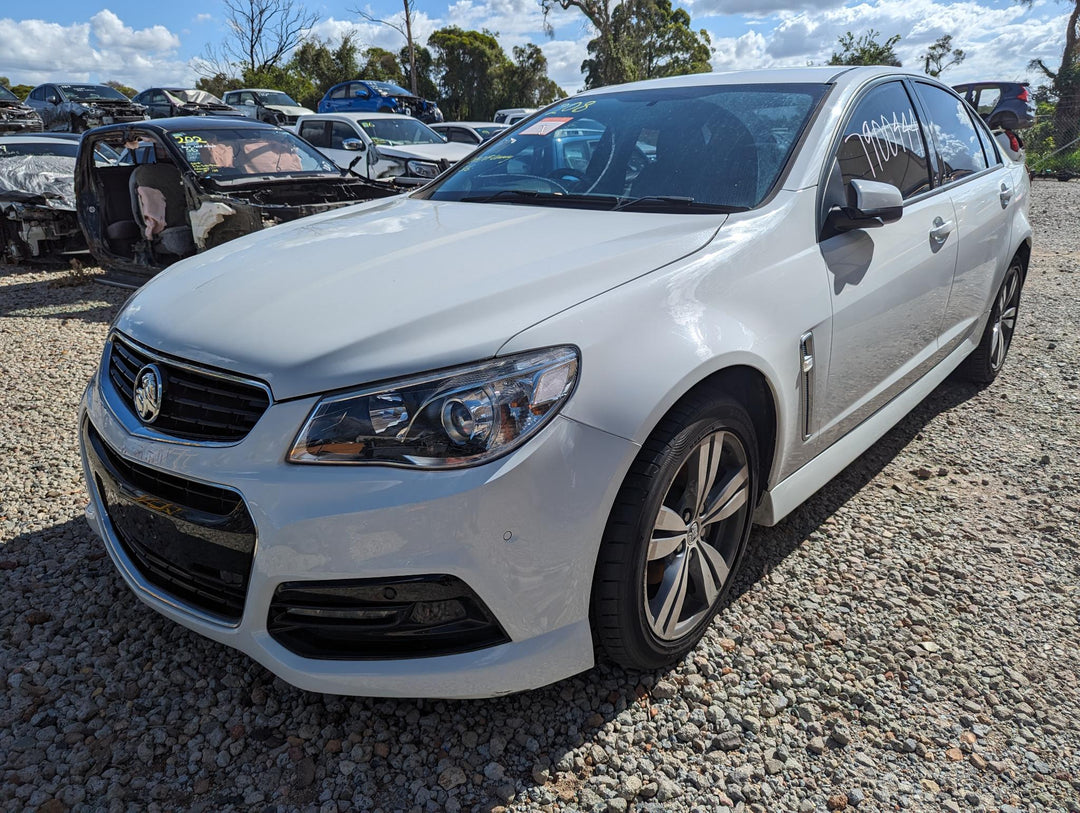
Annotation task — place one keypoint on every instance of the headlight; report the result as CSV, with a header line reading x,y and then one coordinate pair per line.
x,y
422,169
458,417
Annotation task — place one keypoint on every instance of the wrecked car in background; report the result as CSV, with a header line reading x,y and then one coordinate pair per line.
x,y
271,106
369,96
37,198
15,116
76,108
183,185
164,103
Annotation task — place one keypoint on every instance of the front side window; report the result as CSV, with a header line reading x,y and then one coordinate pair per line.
x,y
959,149
338,133
230,154
883,142
700,148
278,98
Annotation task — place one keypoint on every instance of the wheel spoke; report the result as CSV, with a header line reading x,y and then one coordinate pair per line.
x,y
1008,317
708,465
668,534
714,571
674,591
731,498
996,347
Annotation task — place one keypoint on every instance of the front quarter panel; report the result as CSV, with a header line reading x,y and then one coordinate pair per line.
x,y
744,299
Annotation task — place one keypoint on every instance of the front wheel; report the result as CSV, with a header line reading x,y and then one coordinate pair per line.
x,y
676,535
984,364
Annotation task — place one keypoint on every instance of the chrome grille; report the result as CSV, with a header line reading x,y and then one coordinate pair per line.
x,y
198,404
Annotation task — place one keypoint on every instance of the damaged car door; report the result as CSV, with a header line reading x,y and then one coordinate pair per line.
x,y
186,184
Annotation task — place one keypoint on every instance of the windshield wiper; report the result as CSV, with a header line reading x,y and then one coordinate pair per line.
x,y
680,202
532,196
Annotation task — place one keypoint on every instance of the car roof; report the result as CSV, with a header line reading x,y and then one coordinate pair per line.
x,y
31,139
469,124
353,115
827,74
181,123
257,90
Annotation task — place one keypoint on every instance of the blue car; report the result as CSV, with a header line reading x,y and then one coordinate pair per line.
x,y
369,96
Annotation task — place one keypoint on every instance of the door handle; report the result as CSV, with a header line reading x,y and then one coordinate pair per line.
x,y
941,231
1005,196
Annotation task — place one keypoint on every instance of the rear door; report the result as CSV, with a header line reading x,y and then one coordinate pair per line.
x,y
890,285
969,169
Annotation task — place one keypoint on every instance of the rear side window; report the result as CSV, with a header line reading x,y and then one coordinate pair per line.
x,y
38,94
988,99
959,149
314,132
883,142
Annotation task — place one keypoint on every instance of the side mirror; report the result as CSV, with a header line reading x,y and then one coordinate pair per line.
x,y
353,145
871,204
54,99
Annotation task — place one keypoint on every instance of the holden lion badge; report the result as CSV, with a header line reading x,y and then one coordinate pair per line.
x,y
147,395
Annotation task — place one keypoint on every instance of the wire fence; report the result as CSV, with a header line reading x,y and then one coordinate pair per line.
x,y
1053,144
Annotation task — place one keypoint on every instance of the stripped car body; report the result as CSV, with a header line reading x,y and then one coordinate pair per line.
x,y
16,116
218,179
164,103
37,199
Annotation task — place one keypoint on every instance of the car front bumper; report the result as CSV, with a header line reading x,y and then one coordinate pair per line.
x,y
522,532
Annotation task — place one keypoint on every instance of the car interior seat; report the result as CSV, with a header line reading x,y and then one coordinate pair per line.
x,y
159,207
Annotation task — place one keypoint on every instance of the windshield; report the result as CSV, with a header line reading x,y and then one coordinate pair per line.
x,y
86,93
699,148
277,97
66,149
399,130
7,96
389,89
194,97
229,153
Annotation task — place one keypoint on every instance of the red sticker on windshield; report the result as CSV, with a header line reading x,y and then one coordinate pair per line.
x,y
545,126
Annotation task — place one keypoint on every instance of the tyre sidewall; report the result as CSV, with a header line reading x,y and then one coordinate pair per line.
x,y
641,644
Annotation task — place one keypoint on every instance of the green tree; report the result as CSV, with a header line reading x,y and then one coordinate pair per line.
x,y
219,84
467,65
127,91
941,56
866,50
424,64
315,67
1065,81
524,81
382,65
638,39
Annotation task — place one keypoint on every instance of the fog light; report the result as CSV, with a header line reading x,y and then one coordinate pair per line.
x,y
437,612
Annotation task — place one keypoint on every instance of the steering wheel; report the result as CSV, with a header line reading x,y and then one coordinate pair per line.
x,y
566,174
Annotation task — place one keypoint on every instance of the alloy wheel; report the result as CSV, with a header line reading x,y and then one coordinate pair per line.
x,y
696,536
1005,311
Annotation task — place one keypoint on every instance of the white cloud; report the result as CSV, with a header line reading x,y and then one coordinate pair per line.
x,y
34,51
203,18
999,42
755,8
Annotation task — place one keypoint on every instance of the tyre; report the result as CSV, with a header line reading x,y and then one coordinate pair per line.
x,y
676,535
984,364
77,125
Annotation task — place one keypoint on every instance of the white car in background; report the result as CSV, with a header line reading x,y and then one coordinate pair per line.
x,y
456,442
381,146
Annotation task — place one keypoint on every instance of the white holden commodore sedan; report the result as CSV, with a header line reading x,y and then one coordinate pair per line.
x,y
463,441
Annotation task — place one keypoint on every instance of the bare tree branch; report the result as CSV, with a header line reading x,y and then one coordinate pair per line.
x,y
404,27
263,32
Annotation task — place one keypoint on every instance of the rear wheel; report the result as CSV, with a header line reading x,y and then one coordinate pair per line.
x,y
984,364
676,535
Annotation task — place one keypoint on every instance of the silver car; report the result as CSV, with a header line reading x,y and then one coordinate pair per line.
x,y
462,441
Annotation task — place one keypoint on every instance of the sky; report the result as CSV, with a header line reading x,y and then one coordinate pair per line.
x,y
150,44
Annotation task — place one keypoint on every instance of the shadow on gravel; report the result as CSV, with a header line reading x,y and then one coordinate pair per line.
x,y
144,664
76,295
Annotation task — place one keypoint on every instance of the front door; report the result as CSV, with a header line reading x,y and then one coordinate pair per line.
x,y
890,285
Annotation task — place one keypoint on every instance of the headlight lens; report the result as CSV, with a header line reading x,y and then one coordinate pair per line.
x,y
423,169
455,418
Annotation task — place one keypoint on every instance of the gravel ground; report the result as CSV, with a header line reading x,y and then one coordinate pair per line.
x,y
907,639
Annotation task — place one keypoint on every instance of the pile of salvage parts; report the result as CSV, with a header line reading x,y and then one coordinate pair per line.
x,y
141,196
37,198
